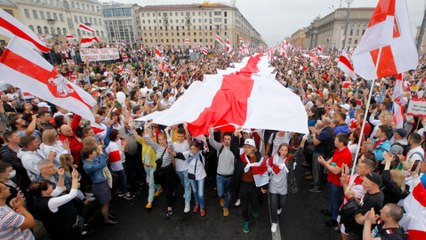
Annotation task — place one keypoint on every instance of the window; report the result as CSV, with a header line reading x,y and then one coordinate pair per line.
x,y
102,33
48,15
61,17
64,31
52,30
27,13
39,30
46,30
225,14
75,19
72,5
55,16
217,13
85,19
217,20
81,19
35,14
59,31
42,15
32,28
96,21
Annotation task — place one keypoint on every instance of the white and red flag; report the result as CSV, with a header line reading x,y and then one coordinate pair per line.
x,y
10,27
86,28
398,107
87,42
187,40
158,53
228,46
345,65
24,68
240,96
387,47
70,37
218,39
414,220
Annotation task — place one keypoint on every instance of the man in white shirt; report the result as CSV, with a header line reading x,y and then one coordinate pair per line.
x,y
416,151
182,145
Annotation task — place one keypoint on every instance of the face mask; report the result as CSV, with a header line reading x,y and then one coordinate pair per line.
x,y
12,174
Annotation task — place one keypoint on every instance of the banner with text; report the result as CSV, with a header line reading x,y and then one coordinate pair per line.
x,y
417,108
98,54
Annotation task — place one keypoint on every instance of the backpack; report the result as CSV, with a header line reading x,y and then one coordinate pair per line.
x,y
405,148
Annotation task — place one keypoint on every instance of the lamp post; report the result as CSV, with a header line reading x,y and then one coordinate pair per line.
x,y
347,22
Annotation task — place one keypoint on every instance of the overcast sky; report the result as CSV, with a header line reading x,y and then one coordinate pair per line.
x,y
278,19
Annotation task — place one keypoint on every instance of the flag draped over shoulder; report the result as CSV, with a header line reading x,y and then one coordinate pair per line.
x,y
387,46
24,68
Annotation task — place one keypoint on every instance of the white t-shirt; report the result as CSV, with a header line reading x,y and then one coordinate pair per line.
x,y
413,154
278,140
181,147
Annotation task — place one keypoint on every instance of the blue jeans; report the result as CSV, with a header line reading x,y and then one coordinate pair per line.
x,y
184,181
198,190
336,198
223,185
151,184
122,181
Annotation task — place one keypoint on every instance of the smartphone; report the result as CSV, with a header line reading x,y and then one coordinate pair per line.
x,y
415,165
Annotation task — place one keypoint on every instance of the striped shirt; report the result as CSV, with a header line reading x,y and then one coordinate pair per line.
x,y
159,150
10,221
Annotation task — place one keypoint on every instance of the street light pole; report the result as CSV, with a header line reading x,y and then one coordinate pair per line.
x,y
422,32
347,22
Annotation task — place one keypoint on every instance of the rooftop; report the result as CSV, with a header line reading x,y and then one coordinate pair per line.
x,y
177,7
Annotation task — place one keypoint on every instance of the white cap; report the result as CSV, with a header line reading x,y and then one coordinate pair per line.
x,y
42,105
246,130
250,142
345,106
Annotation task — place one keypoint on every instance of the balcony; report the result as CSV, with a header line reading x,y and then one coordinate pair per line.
x,y
50,21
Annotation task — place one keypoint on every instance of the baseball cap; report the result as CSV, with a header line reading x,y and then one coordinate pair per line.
x,y
246,130
345,106
401,132
42,105
250,142
374,177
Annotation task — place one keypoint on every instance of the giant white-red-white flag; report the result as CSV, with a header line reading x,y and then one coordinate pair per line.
x,y
24,68
243,96
86,28
345,65
10,27
414,220
87,42
387,47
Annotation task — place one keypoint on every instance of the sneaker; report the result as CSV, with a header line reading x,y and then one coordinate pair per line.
x,y
128,196
255,213
222,202
157,193
331,223
187,208
202,212
336,229
315,190
169,214
225,212
196,208
112,217
309,177
120,194
90,199
325,212
110,222
279,211
87,194
237,203
274,227
246,226
148,205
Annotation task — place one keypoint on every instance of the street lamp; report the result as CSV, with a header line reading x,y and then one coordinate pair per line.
x,y
347,22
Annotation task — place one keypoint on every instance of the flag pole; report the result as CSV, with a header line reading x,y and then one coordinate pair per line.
x,y
361,134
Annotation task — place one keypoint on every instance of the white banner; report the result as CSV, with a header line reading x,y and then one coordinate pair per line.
x,y
417,108
98,54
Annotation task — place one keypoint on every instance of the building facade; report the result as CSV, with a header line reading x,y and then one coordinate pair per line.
x,y
298,38
329,31
120,22
184,25
11,8
61,17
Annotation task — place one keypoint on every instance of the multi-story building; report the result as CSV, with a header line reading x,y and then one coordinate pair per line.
x,y
61,17
298,38
329,31
11,8
120,22
187,24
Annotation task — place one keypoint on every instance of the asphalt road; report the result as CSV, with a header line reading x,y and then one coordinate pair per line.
x,y
300,219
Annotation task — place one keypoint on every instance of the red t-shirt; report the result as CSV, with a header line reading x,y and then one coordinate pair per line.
x,y
341,157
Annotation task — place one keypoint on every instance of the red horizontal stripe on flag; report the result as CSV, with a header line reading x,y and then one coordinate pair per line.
x,y
19,33
229,105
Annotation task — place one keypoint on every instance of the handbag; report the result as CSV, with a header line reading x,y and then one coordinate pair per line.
x,y
192,175
159,160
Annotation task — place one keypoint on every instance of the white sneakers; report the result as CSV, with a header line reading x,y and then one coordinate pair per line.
x,y
279,211
238,202
274,227
187,208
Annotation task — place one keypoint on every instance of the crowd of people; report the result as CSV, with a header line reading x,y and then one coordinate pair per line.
x,y
53,163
